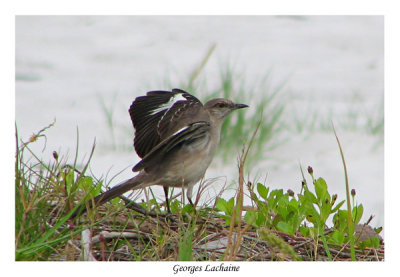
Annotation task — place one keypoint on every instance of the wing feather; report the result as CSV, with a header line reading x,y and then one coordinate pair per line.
x,y
186,135
158,114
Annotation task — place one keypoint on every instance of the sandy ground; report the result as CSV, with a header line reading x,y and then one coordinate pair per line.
x,y
334,66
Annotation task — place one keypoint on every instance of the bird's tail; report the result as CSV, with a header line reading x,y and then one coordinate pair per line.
x,y
110,194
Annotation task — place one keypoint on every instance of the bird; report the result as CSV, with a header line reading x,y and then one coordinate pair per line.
x,y
176,137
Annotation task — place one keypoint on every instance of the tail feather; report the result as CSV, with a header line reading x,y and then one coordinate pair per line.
x,y
110,194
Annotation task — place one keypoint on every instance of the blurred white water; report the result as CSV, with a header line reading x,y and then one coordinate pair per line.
x,y
333,65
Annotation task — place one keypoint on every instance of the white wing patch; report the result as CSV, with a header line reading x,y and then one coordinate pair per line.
x,y
180,130
177,97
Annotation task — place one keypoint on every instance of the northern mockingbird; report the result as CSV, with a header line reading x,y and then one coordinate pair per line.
x,y
176,136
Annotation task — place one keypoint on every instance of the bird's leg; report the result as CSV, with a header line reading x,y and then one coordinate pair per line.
x,y
189,198
136,207
166,198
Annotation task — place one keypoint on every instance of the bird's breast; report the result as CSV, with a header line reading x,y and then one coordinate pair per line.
x,y
193,162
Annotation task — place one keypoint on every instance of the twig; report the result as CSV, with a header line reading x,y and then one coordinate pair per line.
x,y
112,235
86,243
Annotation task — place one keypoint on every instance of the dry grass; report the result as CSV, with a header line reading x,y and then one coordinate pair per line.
x,y
46,195
130,237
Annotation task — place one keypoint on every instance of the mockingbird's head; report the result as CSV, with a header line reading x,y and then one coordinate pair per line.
x,y
220,108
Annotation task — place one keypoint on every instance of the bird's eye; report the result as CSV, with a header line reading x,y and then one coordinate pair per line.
x,y
221,105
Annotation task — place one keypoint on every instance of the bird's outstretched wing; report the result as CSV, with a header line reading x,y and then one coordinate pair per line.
x,y
161,113
184,135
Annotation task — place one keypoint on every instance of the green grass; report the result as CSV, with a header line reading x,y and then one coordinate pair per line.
x,y
375,123
278,225
265,102
40,217
274,103
108,112
185,247
355,118
295,225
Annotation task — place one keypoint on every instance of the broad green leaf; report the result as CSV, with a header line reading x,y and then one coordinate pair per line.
x,y
230,205
175,206
222,205
250,217
97,188
274,197
188,209
325,210
373,242
284,227
337,207
337,237
304,231
86,184
262,191
340,220
69,181
261,219
311,197
225,206
282,207
115,201
294,204
321,189
357,213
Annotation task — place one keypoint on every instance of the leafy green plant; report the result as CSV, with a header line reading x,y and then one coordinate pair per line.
x,y
38,185
227,208
279,223
286,212
307,213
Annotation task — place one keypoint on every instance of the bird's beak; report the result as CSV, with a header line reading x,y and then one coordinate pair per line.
x,y
240,106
